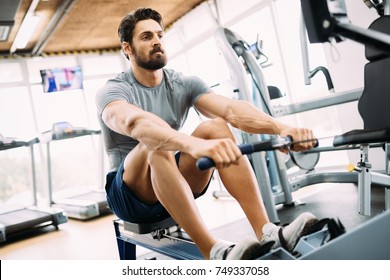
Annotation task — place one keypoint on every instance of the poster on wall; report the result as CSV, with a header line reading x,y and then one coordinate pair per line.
x,y
62,79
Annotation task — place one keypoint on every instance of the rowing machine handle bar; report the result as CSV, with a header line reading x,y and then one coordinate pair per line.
x,y
205,163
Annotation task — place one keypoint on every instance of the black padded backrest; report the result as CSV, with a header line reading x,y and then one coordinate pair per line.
x,y
381,24
374,104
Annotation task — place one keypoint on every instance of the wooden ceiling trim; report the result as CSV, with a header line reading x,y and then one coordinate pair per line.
x,y
91,24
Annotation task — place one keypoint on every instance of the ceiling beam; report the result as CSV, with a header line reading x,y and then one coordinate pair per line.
x,y
59,15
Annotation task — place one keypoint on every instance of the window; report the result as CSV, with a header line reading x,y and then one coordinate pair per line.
x,y
10,72
101,65
15,164
16,112
204,61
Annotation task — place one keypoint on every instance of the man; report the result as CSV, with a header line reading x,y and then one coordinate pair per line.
x,y
140,112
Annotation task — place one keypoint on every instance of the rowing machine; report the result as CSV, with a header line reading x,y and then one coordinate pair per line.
x,y
165,236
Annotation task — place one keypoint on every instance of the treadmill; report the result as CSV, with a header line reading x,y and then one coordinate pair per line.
x,y
16,219
82,203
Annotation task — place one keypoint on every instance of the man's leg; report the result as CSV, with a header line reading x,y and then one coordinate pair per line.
x,y
153,176
239,180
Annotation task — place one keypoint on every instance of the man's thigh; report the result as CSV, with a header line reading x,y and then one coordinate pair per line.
x,y
136,174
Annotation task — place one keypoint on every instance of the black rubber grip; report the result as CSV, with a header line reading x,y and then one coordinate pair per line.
x,y
205,163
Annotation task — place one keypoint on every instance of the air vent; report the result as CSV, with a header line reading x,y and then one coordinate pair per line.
x,y
5,30
8,9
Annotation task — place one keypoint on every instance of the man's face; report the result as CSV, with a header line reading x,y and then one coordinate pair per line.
x,y
147,49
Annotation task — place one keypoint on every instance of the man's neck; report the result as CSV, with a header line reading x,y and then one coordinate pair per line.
x,y
148,78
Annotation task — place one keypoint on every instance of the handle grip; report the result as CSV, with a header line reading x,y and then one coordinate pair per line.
x,y
205,163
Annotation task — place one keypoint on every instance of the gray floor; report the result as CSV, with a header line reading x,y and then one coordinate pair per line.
x,y
338,201
95,239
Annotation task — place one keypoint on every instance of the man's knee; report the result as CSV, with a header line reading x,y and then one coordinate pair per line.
x,y
156,157
213,129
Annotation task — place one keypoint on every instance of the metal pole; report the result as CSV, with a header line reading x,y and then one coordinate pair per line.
x,y
386,7
304,51
49,175
34,180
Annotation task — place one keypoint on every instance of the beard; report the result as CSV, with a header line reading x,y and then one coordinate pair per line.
x,y
154,63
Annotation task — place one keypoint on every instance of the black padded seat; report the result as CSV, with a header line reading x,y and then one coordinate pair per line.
x,y
362,136
144,228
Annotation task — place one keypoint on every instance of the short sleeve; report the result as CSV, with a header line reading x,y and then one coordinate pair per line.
x,y
111,91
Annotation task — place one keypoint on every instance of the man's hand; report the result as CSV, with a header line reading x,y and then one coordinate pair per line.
x,y
297,135
223,152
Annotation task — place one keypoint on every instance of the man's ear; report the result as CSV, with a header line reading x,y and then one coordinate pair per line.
x,y
126,49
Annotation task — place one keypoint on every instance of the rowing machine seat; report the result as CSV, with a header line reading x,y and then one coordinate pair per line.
x,y
144,228
362,136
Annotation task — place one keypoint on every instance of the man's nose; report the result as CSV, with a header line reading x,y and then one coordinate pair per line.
x,y
156,40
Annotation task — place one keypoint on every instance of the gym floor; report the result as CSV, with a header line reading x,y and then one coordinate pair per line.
x,y
95,239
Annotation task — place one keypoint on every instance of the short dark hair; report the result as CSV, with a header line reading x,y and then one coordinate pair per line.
x,y
127,25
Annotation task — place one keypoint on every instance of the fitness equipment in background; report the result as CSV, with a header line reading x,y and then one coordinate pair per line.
x,y
238,53
81,203
305,161
17,219
326,20
273,172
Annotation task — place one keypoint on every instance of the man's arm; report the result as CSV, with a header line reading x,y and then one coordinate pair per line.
x,y
149,129
156,134
246,117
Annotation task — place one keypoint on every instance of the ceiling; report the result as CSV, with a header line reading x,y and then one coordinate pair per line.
x,y
79,25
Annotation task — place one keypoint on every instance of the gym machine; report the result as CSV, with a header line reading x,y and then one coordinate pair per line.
x,y
328,19
242,60
274,172
15,219
82,203
167,238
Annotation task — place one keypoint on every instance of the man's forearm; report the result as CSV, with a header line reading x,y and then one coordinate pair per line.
x,y
248,118
158,137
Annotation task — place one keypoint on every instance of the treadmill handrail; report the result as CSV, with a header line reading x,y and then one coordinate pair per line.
x,y
51,135
7,143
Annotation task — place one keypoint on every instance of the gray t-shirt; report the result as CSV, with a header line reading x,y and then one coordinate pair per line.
x,y
170,100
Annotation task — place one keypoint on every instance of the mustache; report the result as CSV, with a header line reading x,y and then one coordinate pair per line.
x,y
157,49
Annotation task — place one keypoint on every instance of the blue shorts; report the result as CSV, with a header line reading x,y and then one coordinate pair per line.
x,y
126,205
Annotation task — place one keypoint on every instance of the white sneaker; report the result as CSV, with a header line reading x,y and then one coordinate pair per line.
x,y
248,249
288,236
